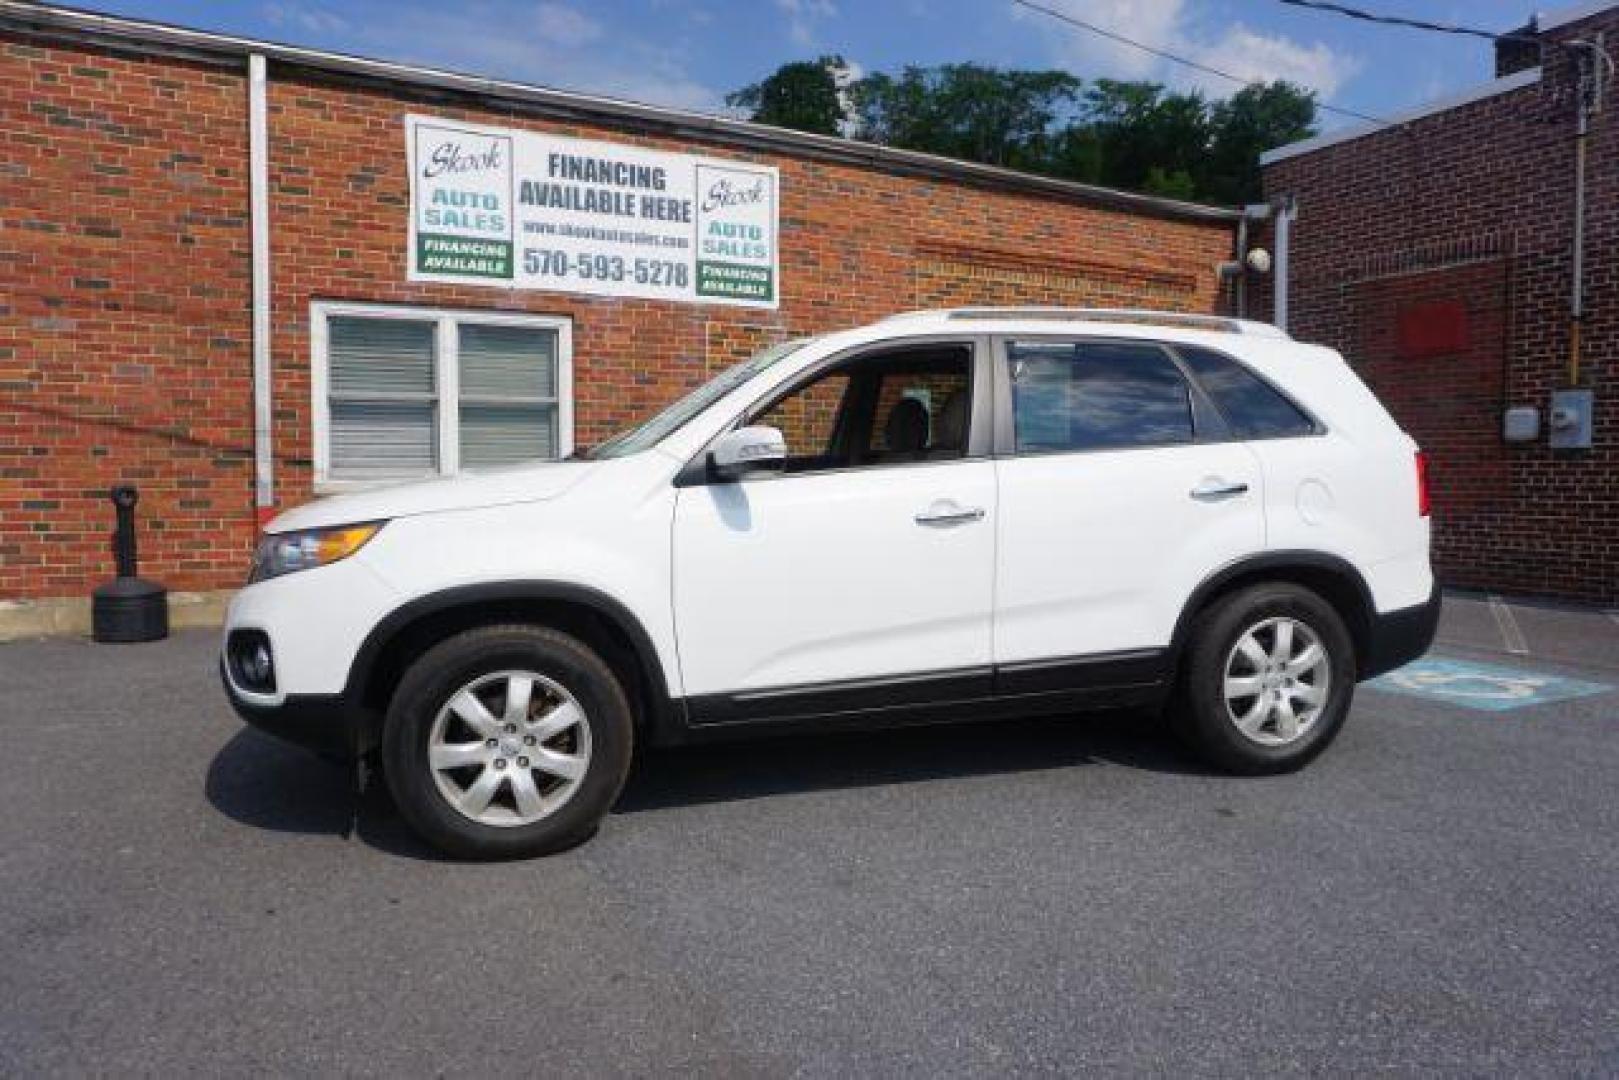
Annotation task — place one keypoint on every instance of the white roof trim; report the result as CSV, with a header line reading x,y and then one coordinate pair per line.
x,y
1551,20
1516,81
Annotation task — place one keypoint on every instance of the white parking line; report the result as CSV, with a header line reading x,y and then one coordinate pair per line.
x,y
1613,613
1510,634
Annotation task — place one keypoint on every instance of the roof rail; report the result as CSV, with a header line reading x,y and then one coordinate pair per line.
x,y
1139,316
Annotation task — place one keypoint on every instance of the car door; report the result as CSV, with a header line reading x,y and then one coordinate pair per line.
x,y
860,575
1120,492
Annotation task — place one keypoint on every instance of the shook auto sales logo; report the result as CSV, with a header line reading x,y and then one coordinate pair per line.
x,y
463,202
726,193
452,157
736,225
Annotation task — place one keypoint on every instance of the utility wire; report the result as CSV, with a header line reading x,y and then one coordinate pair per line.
x,y
1345,10
1111,35
1413,24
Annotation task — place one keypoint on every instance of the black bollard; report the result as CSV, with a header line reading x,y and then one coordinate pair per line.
x,y
128,608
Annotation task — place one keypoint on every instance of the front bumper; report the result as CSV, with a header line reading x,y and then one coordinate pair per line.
x,y
328,724
1399,637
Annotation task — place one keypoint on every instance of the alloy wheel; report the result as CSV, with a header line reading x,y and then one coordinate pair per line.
x,y
1277,680
509,748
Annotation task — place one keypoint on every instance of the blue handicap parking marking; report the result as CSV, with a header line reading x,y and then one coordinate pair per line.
x,y
1486,687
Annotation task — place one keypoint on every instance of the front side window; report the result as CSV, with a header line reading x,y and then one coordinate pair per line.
x,y
883,408
1252,407
808,420
404,393
1096,396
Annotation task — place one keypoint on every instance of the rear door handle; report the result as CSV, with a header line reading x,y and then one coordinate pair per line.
x,y
948,512
1215,488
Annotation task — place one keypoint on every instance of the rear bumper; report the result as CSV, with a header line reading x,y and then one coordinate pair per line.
x,y
1399,637
325,723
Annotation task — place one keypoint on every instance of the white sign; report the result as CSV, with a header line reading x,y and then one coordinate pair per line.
x,y
491,206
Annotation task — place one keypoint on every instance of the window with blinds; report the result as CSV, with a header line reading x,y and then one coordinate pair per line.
x,y
411,393
384,398
508,395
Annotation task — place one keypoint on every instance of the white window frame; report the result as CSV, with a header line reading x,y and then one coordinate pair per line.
x,y
447,378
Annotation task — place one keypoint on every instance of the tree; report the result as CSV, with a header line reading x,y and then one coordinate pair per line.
x,y
1136,136
966,111
1254,119
1142,129
1178,184
802,95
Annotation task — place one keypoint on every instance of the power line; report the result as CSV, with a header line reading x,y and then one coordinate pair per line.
x,y
1413,24
1164,54
1594,48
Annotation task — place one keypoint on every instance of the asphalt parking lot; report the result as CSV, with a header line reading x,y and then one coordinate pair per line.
x,y
1440,892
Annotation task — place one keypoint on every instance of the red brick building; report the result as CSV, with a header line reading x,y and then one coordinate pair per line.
x,y
1438,254
129,343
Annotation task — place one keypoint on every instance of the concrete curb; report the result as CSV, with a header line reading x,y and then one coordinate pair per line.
x,y
70,616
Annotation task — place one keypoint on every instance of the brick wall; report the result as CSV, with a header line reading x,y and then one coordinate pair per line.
x,y
1473,206
124,341
124,324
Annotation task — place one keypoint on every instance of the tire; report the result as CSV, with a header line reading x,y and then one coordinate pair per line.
x,y
1251,735
447,743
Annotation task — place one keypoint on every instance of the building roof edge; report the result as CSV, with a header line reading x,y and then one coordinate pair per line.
x,y
162,38
1516,81
1560,17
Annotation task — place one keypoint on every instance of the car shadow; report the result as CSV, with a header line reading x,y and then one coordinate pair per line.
x,y
761,768
264,783
260,781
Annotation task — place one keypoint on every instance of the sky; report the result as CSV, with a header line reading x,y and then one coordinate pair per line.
x,y
690,53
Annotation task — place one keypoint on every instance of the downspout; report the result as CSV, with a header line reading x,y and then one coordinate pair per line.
x,y
1588,98
258,164
1286,209
1252,212
1239,283
1576,298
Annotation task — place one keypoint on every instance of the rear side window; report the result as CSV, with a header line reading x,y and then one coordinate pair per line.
x,y
1252,407
1096,396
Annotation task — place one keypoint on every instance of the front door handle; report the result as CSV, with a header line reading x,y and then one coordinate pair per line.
x,y
1215,488
948,512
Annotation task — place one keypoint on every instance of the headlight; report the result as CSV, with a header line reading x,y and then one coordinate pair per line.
x,y
287,553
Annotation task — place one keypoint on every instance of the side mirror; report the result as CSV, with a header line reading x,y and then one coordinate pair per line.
x,y
747,450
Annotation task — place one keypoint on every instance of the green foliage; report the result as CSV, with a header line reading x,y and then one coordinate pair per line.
x,y
1171,185
801,95
1143,131
1254,119
965,111
1132,135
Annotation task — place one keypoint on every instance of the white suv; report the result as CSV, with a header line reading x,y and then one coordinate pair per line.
x,y
953,515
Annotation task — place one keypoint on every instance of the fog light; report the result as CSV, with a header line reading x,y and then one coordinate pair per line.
x,y
251,660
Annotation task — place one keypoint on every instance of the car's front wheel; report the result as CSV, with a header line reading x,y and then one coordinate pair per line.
x,y
507,741
1268,679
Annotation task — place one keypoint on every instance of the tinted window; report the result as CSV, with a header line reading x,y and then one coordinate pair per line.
x,y
921,411
808,418
1089,396
1253,408
879,409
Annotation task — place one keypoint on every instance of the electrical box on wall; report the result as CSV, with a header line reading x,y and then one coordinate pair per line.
x,y
1570,420
1521,424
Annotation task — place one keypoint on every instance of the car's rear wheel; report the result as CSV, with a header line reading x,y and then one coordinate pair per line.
x,y
1268,678
507,741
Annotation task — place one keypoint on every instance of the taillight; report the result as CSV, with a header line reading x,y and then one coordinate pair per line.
x,y
1422,484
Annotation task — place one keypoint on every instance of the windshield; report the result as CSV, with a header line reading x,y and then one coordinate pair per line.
x,y
634,440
